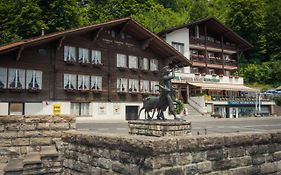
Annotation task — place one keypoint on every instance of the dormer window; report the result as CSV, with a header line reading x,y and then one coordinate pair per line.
x,y
122,84
3,78
16,78
33,80
69,54
83,55
133,85
96,57
70,81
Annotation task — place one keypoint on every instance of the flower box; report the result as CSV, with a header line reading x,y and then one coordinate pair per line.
x,y
134,69
236,76
33,90
97,65
95,91
70,90
197,73
85,64
221,75
70,62
203,74
214,75
122,68
230,76
84,91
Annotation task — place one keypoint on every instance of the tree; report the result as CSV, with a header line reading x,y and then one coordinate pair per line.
x,y
158,18
246,17
273,28
199,9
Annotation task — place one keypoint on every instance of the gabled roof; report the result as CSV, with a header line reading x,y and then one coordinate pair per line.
x,y
214,23
130,26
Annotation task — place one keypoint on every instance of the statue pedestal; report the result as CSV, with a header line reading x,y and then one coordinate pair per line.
x,y
159,128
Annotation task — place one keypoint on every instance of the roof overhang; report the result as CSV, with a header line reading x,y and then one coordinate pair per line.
x,y
126,24
227,87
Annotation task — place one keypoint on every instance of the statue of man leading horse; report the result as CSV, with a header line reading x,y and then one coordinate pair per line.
x,y
160,103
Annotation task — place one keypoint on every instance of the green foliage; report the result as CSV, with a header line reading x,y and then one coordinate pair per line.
x,y
179,106
277,100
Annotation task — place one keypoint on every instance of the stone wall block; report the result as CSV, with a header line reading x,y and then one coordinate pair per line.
x,y
231,140
5,142
43,126
175,170
59,126
9,135
186,144
20,142
191,169
269,168
257,149
277,156
1,127
216,155
32,119
210,142
32,133
236,152
51,133
204,167
199,156
11,119
104,163
12,126
184,159
41,141
27,126
276,137
264,138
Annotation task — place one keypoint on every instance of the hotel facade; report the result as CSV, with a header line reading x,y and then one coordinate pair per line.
x,y
209,85
98,72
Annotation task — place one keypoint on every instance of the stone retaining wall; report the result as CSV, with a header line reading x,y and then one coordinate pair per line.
x,y
22,134
235,154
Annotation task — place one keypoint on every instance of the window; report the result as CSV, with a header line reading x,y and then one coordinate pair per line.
x,y
16,109
195,70
227,73
133,62
226,57
69,54
212,71
179,47
83,82
121,60
122,85
153,87
211,55
3,78
96,83
96,57
153,65
33,79
144,86
133,85
84,55
69,81
16,78
197,31
144,63
80,109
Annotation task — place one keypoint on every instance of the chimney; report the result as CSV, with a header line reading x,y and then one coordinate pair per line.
x,y
42,32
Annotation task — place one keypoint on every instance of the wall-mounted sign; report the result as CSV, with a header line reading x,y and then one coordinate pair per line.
x,y
116,109
102,109
241,102
213,80
196,79
56,109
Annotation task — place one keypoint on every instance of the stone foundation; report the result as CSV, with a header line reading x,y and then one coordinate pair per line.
x,y
159,128
235,154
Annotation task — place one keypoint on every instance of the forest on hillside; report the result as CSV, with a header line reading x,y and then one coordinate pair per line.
x,y
258,21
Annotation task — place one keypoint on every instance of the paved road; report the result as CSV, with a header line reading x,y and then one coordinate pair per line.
x,y
199,125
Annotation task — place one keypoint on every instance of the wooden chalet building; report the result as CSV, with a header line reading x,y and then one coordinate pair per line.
x,y
100,71
209,85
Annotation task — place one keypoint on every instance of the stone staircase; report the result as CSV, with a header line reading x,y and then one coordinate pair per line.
x,y
192,112
44,162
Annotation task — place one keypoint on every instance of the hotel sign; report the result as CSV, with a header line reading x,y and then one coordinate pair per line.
x,y
197,79
241,102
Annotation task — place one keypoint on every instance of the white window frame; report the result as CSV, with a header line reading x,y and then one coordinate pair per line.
x,y
179,47
133,62
144,63
153,64
121,60
154,89
18,77
69,53
80,109
3,77
34,78
70,79
144,86
83,82
133,85
96,57
83,55
96,83
122,85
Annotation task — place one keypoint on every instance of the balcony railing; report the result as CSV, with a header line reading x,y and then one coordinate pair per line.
x,y
213,60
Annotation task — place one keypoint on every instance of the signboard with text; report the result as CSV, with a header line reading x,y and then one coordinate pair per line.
x,y
56,109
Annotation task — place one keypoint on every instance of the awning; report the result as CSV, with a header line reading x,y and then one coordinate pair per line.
x,y
227,87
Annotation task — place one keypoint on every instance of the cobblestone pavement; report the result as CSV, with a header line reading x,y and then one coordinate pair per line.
x,y
201,126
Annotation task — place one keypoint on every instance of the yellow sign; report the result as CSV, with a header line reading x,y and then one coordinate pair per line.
x,y
56,109
208,98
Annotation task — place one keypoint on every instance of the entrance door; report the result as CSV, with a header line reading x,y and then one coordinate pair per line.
x,y
132,112
233,112
184,95
16,109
